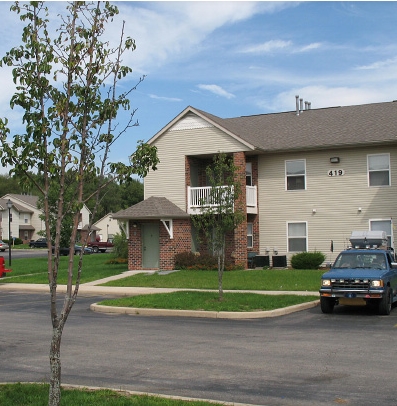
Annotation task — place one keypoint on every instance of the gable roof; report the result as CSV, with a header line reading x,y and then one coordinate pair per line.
x,y
347,126
16,206
214,120
27,199
153,208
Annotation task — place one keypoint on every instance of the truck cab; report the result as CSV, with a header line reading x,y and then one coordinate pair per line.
x,y
365,273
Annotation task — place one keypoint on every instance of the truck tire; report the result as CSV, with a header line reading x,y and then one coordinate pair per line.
x,y
327,304
95,249
385,303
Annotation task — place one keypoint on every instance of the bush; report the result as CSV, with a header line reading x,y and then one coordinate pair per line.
x,y
120,249
195,261
307,260
17,241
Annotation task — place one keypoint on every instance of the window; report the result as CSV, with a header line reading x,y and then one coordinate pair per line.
x,y
248,174
379,170
250,235
295,173
297,237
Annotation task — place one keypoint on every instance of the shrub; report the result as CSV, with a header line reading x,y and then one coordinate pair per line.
x,y
17,241
184,260
120,248
205,262
307,260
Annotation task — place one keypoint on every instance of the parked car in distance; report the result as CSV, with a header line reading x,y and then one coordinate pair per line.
x,y
100,246
3,246
39,243
77,250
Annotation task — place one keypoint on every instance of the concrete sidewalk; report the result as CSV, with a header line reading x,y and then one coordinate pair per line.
x,y
93,289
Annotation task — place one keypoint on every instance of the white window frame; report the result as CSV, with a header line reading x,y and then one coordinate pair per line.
x,y
289,176
250,235
297,236
379,170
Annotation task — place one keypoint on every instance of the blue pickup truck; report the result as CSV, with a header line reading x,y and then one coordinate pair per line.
x,y
366,273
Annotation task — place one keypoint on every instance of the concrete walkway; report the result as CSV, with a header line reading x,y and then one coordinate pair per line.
x,y
92,289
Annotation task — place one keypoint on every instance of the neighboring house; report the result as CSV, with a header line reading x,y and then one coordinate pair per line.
x,y
25,217
105,228
312,177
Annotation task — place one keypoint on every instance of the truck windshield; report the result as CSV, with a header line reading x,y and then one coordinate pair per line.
x,y
354,260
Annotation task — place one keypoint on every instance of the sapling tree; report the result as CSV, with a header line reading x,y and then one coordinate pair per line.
x,y
67,87
220,214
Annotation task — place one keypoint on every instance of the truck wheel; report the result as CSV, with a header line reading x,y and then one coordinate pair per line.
x,y
327,304
385,302
95,249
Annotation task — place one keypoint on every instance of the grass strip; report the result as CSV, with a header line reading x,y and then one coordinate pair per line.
x,y
195,300
269,279
37,395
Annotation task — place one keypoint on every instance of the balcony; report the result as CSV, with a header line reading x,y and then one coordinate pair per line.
x,y
199,197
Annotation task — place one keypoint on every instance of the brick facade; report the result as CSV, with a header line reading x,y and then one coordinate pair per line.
x,y
168,247
236,241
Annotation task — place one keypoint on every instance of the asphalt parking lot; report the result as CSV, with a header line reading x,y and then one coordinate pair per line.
x,y
305,358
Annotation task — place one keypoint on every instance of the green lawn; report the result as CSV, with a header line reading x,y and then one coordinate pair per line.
x,y
34,270
189,300
95,266
37,395
269,279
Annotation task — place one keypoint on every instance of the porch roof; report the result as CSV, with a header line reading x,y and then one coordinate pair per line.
x,y
153,208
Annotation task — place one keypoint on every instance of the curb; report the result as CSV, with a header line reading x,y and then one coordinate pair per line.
x,y
138,311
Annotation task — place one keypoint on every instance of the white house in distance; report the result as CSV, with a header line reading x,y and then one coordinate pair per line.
x,y
105,228
312,176
25,217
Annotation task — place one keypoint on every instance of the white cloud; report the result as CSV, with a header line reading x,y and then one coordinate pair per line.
x,y
310,47
166,31
171,99
324,96
392,62
217,90
269,46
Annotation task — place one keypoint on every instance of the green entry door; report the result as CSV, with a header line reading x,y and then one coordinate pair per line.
x,y
150,246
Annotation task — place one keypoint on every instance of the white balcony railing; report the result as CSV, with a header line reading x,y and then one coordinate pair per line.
x,y
199,197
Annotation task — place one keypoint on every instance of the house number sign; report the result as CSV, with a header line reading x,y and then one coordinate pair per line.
x,y
336,172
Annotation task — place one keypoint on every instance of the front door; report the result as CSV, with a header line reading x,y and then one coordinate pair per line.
x,y
150,245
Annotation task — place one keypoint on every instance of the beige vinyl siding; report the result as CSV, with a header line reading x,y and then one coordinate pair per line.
x,y
335,199
169,179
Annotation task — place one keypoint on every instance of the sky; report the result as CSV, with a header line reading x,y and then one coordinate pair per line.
x,y
241,58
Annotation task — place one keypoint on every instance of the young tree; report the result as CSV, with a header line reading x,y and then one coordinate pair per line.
x,y
67,86
220,214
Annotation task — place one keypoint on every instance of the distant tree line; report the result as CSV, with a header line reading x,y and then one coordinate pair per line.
x,y
116,196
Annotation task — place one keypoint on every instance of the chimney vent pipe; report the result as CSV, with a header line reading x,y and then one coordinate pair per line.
x,y
297,105
301,105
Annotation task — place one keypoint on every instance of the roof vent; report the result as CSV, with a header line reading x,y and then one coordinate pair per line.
x,y
299,105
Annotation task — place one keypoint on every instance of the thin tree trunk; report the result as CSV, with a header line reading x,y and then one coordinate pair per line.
x,y
54,398
221,267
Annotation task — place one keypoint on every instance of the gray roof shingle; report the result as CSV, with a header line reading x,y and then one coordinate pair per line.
x,y
367,124
152,208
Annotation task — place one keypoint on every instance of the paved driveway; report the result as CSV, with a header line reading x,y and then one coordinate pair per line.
x,y
305,358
